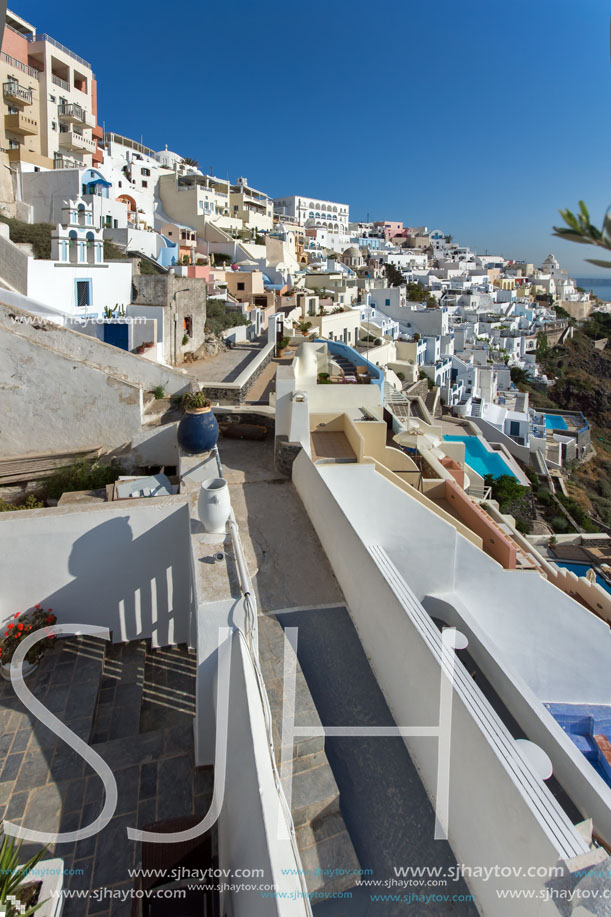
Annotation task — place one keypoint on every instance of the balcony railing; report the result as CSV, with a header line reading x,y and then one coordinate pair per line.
x,y
64,84
63,162
12,90
61,47
71,112
31,71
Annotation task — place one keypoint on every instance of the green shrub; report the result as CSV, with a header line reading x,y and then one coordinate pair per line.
x,y
559,524
185,340
219,317
30,502
112,252
145,267
38,234
83,475
158,392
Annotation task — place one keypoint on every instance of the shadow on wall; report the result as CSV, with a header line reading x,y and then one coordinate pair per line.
x,y
137,587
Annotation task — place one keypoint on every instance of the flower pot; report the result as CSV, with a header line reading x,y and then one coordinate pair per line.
x,y
198,431
27,669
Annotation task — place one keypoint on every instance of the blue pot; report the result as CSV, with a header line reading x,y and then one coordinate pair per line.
x,y
198,431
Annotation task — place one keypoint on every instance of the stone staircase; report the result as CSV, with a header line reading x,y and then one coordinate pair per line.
x,y
134,705
158,411
324,843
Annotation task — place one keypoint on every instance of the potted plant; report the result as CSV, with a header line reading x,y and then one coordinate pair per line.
x,y
20,890
198,430
284,343
21,625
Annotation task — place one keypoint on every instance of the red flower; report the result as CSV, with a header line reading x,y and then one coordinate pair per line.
x,y
37,606
29,627
50,619
20,627
16,616
10,626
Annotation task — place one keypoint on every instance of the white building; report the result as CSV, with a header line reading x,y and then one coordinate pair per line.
x,y
314,212
76,280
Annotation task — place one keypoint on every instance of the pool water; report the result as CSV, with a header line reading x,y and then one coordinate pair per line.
x,y
478,457
555,422
581,570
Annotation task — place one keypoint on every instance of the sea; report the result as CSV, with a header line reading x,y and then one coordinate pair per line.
x,y
600,285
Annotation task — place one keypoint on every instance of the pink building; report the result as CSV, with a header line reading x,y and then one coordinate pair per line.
x,y
390,228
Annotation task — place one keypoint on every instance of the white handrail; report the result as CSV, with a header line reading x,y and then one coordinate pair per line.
x,y
251,641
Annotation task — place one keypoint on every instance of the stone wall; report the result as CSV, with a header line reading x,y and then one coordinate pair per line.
x,y
418,388
13,262
285,454
183,297
236,392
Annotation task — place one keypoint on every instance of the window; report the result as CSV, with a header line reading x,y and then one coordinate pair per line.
x,y
189,325
12,110
514,428
53,125
146,171
387,302
83,293
52,99
240,285
145,184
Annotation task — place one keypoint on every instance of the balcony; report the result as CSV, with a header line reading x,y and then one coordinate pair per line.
x,y
70,113
71,140
21,124
64,162
16,94
63,84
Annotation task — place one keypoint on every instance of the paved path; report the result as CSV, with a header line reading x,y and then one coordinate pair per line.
x,y
226,366
383,801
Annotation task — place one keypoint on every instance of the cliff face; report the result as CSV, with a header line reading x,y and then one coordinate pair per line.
x,y
583,377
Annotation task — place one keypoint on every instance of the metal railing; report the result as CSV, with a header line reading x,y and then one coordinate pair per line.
x,y
52,41
71,109
31,71
12,88
64,84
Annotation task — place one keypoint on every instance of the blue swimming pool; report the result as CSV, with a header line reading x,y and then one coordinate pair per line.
x,y
581,723
478,457
555,422
581,570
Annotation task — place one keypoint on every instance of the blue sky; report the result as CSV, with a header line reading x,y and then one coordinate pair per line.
x,y
480,117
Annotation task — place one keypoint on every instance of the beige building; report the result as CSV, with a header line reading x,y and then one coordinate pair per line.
x,y
49,98
254,208
194,200
21,98
67,103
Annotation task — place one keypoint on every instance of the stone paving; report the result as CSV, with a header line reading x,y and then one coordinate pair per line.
x,y
46,786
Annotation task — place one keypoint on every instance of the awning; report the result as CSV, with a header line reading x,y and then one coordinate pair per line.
x,y
100,181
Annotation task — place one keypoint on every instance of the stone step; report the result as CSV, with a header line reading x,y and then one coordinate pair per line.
x,y
314,790
120,697
328,857
168,691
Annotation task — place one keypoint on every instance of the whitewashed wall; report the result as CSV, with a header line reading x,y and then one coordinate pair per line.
x,y
124,565
482,791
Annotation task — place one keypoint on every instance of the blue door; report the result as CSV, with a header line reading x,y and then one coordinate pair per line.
x,y
117,334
